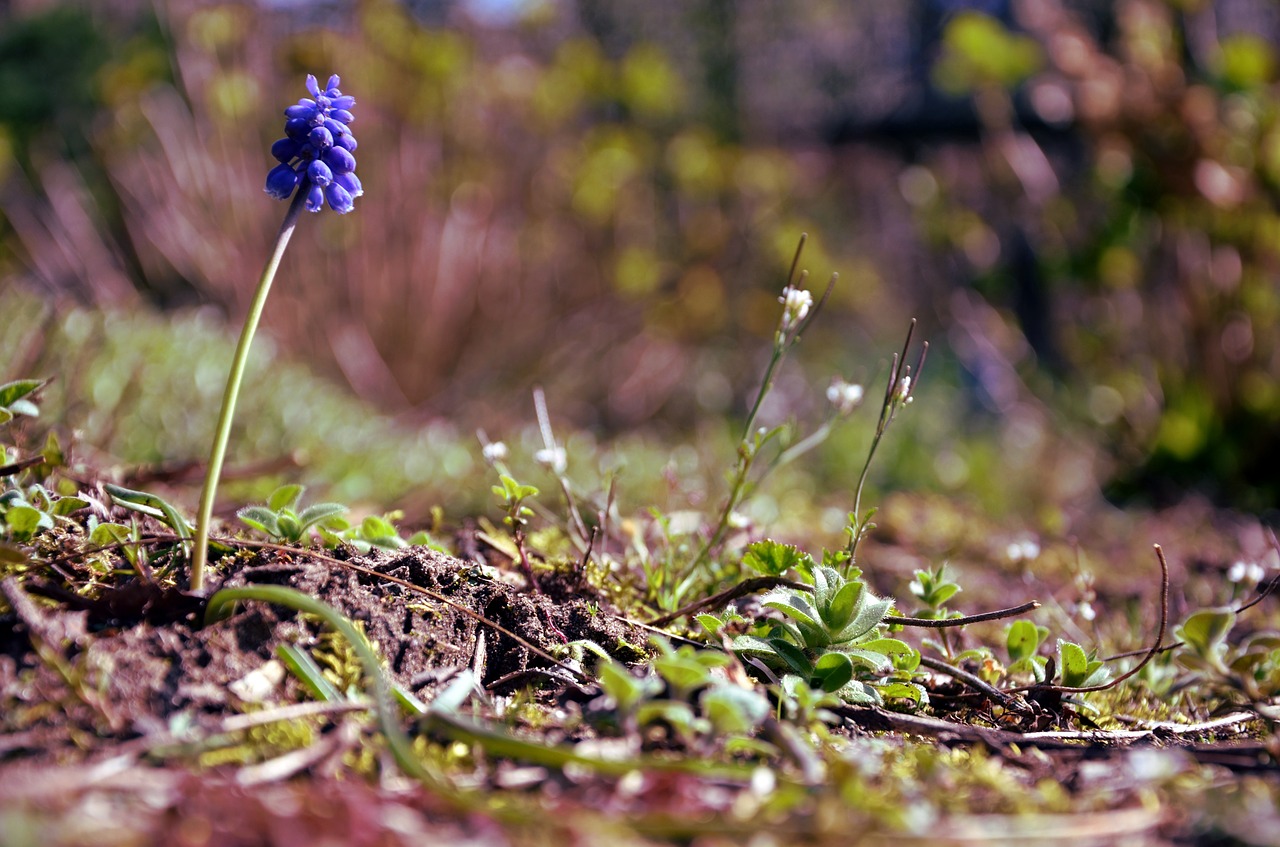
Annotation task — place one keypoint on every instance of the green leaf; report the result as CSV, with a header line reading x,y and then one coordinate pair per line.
x,y
733,710
710,623
1205,630
682,673
109,533
679,715
11,392
66,505
456,694
772,558
1073,663
795,607
792,655
844,605
909,691
24,522
285,497
290,529
832,671
876,661
1022,640
261,519
304,667
320,512
617,682
860,694
870,616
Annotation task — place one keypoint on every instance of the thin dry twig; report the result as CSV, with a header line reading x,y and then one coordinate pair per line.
x,y
943,623
750,586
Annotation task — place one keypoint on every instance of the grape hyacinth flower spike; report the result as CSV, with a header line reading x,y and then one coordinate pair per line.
x,y
316,152
316,166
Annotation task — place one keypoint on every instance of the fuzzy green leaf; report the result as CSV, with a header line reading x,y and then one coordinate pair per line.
x,y
319,513
870,616
261,519
285,497
846,603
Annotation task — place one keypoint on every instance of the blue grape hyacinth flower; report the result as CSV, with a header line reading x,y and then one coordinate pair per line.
x,y
316,152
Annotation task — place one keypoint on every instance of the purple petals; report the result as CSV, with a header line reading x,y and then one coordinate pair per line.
x,y
319,173
316,151
315,198
281,181
351,183
306,110
339,198
340,160
286,150
320,138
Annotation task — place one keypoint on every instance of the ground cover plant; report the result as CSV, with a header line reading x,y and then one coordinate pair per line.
x,y
573,671
573,663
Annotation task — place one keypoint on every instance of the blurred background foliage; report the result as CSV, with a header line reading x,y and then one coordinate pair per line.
x,y
1076,198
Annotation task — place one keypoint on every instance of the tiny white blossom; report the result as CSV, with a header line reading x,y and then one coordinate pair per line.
x,y
844,396
1022,551
495,452
553,458
1249,573
796,303
1086,610
737,520
902,393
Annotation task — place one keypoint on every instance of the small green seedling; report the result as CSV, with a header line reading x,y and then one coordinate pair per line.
x,y
281,521
831,639
1022,643
1078,669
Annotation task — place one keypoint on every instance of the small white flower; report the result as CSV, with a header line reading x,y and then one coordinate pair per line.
x,y
495,452
1086,610
844,396
1022,551
902,393
737,520
796,303
1248,573
553,458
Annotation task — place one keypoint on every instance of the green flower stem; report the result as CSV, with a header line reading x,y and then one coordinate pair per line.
x,y
219,452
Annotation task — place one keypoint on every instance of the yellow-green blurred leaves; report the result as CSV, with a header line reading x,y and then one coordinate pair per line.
x,y
978,50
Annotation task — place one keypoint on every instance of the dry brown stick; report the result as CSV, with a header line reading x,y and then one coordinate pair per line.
x,y
942,623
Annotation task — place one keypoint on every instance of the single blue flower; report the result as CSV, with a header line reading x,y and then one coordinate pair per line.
x,y
316,152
